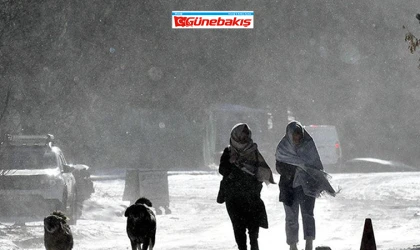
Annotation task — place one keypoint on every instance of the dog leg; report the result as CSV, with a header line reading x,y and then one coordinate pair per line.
x,y
133,245
145,246
152,243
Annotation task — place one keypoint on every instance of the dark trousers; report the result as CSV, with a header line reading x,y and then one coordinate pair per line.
x,y
242,217
306,204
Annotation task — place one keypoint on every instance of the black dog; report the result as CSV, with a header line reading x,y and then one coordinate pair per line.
x,y
57,233
141,225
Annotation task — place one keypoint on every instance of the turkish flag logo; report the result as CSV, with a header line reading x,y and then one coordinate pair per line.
x,y
180,21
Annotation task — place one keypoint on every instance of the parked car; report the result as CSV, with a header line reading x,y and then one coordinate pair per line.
x,y
35,179
371,165
328,145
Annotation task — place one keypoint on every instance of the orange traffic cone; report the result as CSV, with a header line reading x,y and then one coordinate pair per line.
x,y
368,238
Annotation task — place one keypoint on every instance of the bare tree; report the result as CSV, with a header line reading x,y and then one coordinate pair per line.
x,y
6,102
14,16
413,42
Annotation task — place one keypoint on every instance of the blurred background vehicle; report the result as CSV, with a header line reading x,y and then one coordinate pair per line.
x,y
35,179
372,165
328,145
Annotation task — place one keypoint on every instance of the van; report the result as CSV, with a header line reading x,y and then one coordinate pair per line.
x,y
328,145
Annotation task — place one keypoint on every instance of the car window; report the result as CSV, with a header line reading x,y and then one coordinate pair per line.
x,y
62,160
27,158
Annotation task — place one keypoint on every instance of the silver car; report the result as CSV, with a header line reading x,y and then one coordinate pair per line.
x,y
35,180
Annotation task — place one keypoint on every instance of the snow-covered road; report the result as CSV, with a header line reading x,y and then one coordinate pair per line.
x,y
391,200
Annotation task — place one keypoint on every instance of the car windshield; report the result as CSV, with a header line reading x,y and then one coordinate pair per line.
x,y
27,158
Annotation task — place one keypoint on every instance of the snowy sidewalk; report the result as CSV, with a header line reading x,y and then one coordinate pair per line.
x,y
392,200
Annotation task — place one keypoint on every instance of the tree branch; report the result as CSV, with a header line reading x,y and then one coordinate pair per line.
x,y
6,103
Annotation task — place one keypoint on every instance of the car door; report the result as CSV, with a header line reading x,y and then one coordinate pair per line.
x,y
67,175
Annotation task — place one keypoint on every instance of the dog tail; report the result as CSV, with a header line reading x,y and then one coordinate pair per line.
x,y
144,201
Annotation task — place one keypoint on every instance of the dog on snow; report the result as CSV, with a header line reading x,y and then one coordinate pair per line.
x,y
57,233
141,225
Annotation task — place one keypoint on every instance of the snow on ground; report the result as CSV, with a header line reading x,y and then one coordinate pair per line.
x,y
391,200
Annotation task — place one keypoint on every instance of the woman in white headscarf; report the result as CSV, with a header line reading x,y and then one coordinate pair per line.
x,y
301,180
244,169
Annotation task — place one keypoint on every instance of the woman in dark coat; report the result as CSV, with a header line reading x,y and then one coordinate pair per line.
x,y
244,169
301,180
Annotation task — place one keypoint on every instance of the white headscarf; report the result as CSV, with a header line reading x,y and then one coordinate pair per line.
x,y
309,172
303,154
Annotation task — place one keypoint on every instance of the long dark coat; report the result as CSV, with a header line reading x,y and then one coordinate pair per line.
x,y
287,175
242,193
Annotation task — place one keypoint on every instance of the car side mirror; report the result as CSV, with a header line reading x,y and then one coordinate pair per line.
x,y
67,168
